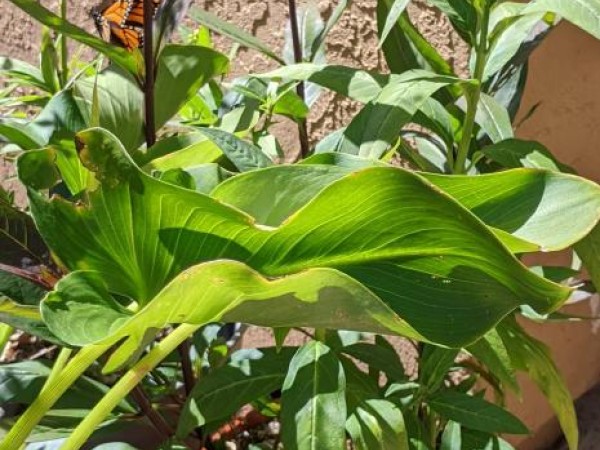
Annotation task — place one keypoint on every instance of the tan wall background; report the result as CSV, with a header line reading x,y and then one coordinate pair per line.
x,y
564,77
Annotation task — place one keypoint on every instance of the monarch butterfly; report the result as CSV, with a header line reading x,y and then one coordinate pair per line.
x,y
122,21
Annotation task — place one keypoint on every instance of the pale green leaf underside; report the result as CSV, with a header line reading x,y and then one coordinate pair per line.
x,y
82,311
583,13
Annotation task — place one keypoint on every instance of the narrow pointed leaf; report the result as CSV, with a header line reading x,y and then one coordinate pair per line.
x,y
313,411
534,358
475,413
237,34
377,424
588,250
396,9
244,155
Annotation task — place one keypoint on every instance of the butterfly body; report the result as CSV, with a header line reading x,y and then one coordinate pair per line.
x,y
122,21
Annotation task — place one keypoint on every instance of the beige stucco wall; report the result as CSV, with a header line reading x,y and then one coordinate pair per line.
x,y
564,76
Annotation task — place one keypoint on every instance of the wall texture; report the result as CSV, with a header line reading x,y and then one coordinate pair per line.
x,y
352,42
564,76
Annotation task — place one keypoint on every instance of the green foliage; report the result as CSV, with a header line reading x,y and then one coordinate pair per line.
x,y
134,240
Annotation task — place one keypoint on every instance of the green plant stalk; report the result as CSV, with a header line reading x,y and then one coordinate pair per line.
x,y
473,94
50,394
64,49
320,334
126,384
6,332
59,364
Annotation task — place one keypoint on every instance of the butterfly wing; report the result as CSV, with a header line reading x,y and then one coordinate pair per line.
x,y
122,21
129,37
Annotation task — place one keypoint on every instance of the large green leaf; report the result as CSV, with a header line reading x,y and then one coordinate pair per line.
x,y
60,116
583,13
119,102
130,61
475,413
530,204
82,311
238,35
264,196
313,404
424,247
226,389
534,358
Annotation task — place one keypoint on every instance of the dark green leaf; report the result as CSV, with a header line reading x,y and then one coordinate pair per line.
x,y
435,362
19,238
226,389
21,382
21,134
462,15
514,153
475,413
379,357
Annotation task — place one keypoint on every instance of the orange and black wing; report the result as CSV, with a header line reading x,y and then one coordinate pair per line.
x,y
136,13
113,22
128,36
